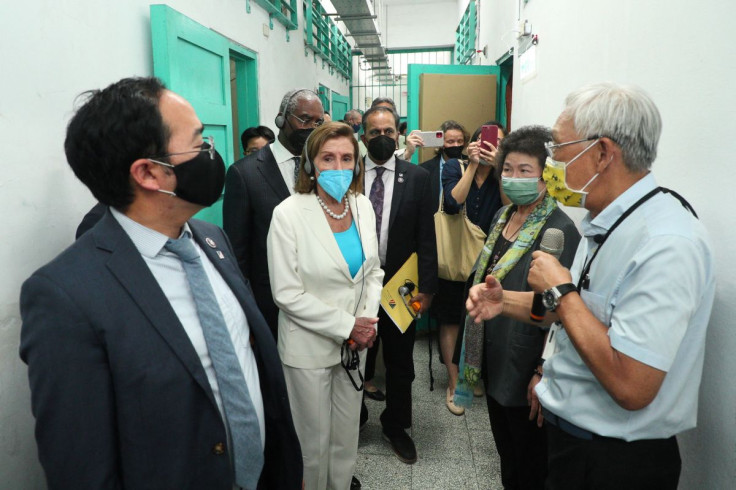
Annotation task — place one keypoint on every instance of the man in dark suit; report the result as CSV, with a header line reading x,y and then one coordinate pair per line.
x,y
133,384
256,184
402,200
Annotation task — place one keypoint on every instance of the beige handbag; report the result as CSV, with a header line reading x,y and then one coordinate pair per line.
x,y
459,243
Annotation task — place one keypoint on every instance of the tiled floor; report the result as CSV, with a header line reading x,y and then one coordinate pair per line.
x,y
453,452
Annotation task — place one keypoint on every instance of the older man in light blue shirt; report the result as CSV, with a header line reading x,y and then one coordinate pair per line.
x,y
624,358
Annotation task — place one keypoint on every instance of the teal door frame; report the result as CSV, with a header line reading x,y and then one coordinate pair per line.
x,y
415,72
246,80
194,61
340,105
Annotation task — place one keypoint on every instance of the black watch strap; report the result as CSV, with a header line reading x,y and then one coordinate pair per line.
x,y
563,289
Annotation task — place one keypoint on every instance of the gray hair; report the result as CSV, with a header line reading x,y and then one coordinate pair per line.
x,y
623,113
292,98
351,114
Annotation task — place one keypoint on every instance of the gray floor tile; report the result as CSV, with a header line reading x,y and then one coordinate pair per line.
x,y
454,452
377,472
444,474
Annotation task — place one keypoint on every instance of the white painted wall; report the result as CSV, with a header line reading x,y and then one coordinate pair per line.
x,y
680,53
49,53
418,23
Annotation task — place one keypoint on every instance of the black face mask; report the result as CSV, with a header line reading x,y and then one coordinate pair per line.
x,y
298,138
201,179
453,151
381,148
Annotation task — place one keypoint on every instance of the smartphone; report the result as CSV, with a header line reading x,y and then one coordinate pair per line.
x,y
489,133
432,139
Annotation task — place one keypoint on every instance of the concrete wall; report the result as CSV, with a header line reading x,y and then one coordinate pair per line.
x,y
676,50
419,23
49,53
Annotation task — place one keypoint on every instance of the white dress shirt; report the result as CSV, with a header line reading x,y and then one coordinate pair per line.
x,y
170,276
388,192
285,161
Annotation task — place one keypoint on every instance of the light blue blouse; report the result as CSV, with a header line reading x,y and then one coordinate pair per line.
x,y
351,248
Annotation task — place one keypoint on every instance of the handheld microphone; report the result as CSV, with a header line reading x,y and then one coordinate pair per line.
x,y
553,241
412,306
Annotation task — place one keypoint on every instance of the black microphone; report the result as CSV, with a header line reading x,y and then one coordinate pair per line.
x,y
553,241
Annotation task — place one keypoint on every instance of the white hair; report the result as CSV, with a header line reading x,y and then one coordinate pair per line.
x,y
623,113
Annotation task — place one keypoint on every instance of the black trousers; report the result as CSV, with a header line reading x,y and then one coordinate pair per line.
x,y
521,446
606,463
398,357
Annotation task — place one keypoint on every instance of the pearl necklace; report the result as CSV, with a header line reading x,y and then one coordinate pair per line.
x,y
329,211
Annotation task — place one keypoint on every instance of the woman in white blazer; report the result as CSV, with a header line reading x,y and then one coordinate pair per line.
x,y
326,279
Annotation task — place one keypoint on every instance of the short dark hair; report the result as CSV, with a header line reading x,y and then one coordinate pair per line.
x,y
315,142
488,123
383,100
528,140
114,127
402,127
256,132
380,108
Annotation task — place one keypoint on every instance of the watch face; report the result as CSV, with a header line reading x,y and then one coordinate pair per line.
x,y
548,300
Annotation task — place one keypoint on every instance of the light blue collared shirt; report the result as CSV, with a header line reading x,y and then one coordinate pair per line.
x,y
653,285
170,276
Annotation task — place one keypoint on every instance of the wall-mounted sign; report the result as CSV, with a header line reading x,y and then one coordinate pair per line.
x,y
528,63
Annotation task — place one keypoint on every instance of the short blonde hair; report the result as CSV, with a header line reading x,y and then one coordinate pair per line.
x,y
305,184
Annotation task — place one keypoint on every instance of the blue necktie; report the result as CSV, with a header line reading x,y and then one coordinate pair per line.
x,y
240,414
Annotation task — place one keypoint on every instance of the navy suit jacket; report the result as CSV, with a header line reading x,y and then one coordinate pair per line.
x,y
253,188
120,396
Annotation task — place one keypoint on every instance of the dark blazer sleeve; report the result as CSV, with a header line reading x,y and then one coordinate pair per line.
x,y
237,215
71,390
426,239
451,175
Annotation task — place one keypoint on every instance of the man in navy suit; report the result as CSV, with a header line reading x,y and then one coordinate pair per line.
x,y
258,183
127,386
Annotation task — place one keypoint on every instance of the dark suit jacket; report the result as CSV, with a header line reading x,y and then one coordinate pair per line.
x,y
120,396
433,167
90,219
411,225
253,188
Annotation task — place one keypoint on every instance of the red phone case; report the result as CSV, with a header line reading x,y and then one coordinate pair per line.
x,y
489,133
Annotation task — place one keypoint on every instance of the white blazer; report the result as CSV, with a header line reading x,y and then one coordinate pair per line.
x,y
317,297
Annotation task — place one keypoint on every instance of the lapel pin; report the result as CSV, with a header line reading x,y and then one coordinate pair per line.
x,y
401,178
210,242
220,254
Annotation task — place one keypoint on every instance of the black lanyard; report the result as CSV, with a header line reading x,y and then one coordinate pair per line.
x,y
584,281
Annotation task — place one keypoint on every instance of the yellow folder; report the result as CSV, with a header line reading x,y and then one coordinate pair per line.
x,y
393,302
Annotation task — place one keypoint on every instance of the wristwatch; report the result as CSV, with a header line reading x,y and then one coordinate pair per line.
x,y
551,297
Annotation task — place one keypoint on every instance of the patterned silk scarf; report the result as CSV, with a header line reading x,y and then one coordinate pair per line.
x,y
471,356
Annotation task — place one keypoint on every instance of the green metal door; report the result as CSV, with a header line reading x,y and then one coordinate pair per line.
x,y
194,62
340,105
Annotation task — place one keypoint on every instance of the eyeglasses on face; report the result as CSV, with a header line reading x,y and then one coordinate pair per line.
x,y
552,147
208,145
308,122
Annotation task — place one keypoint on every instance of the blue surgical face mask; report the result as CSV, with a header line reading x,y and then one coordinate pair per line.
x,y
335,182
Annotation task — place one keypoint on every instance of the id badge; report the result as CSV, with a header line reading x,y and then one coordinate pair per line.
x,y
550,347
